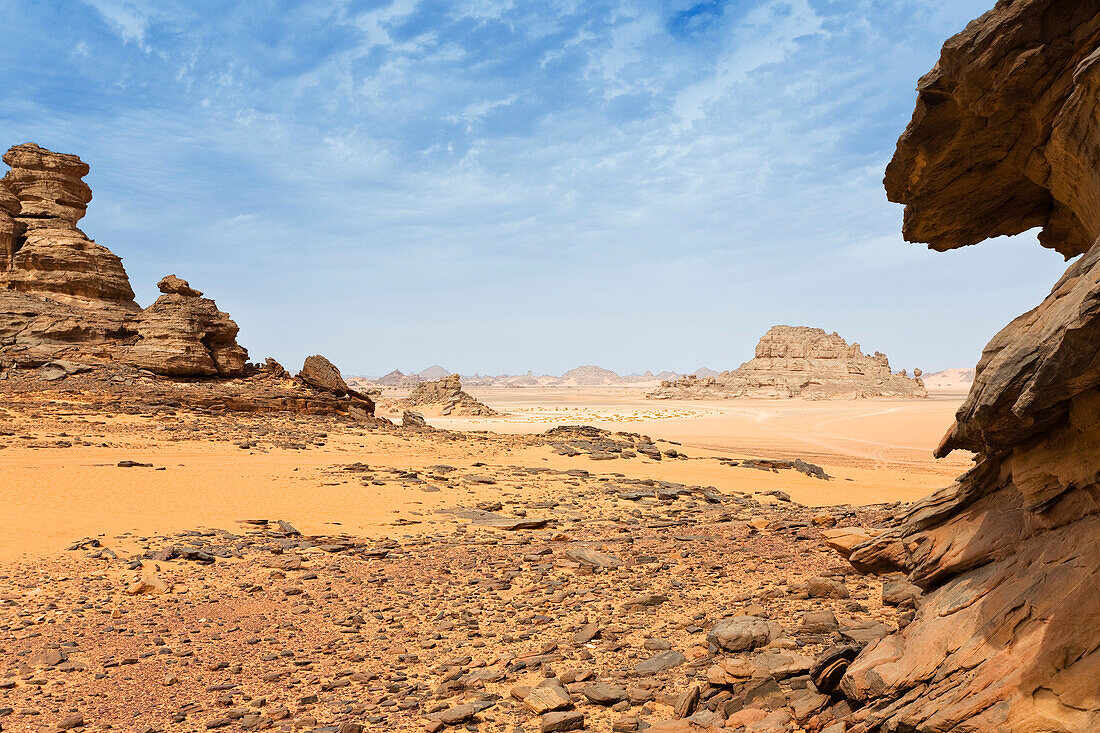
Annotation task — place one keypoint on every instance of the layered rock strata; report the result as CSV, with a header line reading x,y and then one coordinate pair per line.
x,y
446,397
61,295
1007,638
184,334
67,308
797,361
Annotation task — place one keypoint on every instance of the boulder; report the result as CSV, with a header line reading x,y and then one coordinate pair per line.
x,y
742,634
321,373
415,420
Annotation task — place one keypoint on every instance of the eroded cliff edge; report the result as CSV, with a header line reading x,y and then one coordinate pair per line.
x,y
1006,137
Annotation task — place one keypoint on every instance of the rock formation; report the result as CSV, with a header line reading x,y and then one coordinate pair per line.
x,y
66,305
797,361
446,397
62,296
184,334
1005,138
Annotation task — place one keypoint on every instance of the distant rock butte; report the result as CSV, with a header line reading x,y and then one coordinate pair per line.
x,y
65,299
590,376
446,397
797,361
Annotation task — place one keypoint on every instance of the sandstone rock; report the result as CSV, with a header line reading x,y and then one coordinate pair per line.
x,y
64,296
149,586
603,693
184,334
48,186
846,539
445,397
659,662
410,419
547,696
65,264
11,229
172,285
797,361
897,591
730,671
1004,138
741,634
819,622
829,666
592,558
818,587
781,665
561,721
323,374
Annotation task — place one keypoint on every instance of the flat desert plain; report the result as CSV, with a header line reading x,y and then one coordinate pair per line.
x,y
61,482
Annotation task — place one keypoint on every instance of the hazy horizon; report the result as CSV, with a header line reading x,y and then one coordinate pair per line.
x,y
519,186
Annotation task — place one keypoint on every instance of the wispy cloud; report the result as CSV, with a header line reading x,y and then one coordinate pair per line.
x,y
397,182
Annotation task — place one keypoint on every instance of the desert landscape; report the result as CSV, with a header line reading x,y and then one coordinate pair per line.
x,y
809,542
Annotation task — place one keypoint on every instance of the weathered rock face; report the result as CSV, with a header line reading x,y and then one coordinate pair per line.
x,y
1007,637
62,296
10,229
446,397
49,186
65,265
184,334
323,374
796,361
1000,142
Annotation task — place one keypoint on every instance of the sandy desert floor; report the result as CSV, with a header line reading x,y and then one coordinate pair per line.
x,y
60,479
435,579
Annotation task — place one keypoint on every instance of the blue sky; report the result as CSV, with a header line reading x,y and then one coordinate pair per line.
x,y
504,186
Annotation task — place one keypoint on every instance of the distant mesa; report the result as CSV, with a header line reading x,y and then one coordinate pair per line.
x,y
803,362
67,309
590,376
396,378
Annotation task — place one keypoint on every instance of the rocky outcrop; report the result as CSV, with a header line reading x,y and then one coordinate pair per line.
x,y
445,397
62,296
68,317
184,334
797,361
1007,636
323,374
1000,141
10,228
